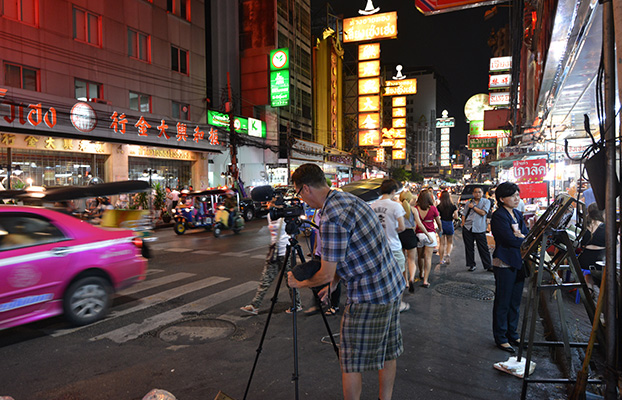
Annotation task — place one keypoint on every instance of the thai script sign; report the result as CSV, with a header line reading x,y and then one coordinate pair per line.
x,y
401,87
279,88
500,64
372,27
530,170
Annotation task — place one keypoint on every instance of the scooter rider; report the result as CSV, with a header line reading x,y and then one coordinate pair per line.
x,y
230,205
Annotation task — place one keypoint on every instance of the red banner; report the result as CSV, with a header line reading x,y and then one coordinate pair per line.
x,y
530,170
532,190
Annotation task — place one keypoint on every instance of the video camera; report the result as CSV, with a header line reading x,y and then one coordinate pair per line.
x,y
288,208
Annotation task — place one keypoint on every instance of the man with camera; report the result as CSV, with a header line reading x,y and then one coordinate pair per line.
x,y
355,249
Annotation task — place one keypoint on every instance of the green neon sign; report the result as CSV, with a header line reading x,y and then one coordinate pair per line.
x,y
279,88
279,59
247,126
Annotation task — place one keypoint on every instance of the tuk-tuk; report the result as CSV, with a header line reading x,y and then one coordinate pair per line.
x,y
201,210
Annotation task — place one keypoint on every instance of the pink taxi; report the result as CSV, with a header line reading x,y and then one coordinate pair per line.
x,y
52,264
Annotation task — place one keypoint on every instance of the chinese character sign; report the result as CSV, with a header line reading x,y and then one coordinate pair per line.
x,y
369,138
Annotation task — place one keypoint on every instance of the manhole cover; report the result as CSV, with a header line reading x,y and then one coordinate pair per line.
x,y
465,290
197,331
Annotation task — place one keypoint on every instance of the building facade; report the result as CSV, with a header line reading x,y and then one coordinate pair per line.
x,y
88,91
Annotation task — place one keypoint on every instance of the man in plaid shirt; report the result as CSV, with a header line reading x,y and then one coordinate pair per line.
x,y
355,249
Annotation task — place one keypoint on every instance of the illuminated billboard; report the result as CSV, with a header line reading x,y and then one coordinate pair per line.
x,y
369,68
279,88
399,154
401,87
369,138
369,121
369,86
398,102
369,103
369,51
370,27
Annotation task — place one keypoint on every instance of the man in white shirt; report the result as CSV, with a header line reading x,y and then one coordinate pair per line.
x,y
391,215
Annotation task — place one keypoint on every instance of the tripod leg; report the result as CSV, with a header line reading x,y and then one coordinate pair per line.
x,y
265,328
330,333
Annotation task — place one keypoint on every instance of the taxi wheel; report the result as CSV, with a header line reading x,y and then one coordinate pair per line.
x,y
249,214
217,231
87,300
166,218
236,231
180,228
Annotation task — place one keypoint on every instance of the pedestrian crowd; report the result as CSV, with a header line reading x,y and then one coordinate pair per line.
x,y
382,250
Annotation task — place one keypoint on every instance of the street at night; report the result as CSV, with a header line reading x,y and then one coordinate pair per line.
x,y
182,331
156,156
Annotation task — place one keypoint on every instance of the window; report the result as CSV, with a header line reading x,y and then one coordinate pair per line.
x,y
86,27
138,45
179,60
26,229
25,11
181,111
21,77
181,8
88,91
140,102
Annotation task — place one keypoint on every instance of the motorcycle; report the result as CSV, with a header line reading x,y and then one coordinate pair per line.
x,y
223,220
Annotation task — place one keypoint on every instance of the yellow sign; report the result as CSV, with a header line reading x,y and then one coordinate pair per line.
x,y
399,101
399,144
399,122
369,86
386,142
369,51
369,121
369,68
380,154
400,88
369,138
399,112
400,133
369,103
399,154
370,27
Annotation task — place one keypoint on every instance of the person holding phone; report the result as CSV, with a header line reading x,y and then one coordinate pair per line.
x,y
474,230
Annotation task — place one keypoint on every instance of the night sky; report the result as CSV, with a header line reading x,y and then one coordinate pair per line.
x,y
455,43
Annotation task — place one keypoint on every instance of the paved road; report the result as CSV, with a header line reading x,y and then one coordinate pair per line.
x,y
181,330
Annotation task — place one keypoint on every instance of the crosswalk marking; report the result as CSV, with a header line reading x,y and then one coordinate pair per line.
x,y
259,257
206,252
132,331
151,283
177,250
151,301
237,254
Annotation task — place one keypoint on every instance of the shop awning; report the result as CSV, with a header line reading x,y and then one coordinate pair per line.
x,y
508,162
568,89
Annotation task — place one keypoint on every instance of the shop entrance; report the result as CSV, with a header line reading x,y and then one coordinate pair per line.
x,y
49,168
171,173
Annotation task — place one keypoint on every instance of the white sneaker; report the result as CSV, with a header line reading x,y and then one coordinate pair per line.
x,y
250,309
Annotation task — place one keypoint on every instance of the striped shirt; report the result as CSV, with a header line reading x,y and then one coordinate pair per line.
x,y
353,237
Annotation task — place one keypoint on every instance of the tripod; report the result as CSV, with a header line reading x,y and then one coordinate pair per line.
x,y
293,250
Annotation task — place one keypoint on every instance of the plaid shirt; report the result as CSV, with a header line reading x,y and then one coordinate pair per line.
x,y
352,236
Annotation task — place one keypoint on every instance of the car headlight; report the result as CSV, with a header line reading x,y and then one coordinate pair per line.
x,y
173,211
